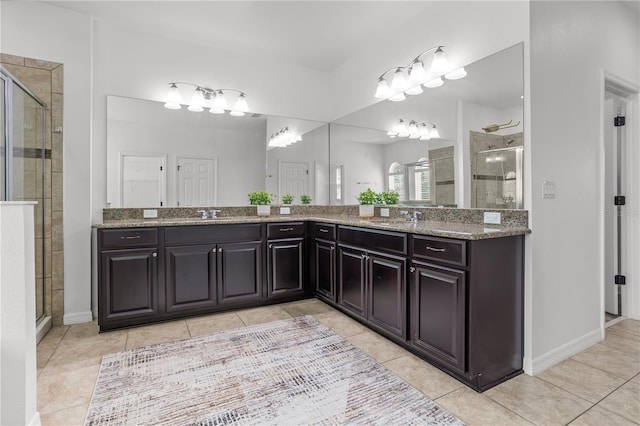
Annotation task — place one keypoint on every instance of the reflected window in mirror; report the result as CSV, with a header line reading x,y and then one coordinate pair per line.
x,y
396,179
419,181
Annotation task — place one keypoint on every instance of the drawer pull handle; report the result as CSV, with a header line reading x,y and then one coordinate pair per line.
x,y
439,250
324,230
137,237
286,229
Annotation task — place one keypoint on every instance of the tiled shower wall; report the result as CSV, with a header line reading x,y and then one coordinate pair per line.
x,y
45,80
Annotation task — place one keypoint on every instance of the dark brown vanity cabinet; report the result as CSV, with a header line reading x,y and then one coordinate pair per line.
x,y
371,283
286,259
466,304
225,270
325,260
128,273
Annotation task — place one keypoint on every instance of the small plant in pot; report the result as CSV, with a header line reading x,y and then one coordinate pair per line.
x,y
261,199
389,197
367,199
287,199
305,199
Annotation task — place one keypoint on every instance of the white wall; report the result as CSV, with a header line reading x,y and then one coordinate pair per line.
x,y
471,30
37,30
363,167
570,45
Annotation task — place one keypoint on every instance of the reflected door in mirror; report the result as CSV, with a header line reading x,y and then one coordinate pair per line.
x,y
143,180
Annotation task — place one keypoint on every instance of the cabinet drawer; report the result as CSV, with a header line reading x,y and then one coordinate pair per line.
x,y
393,242
325,231
440,249
125,238
206,234
277,231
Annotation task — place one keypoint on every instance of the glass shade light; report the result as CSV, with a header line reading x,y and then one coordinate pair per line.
x,y
439,65
424,132
173,98
399,81
382,91
236,113
197,101
241,103
392,133
456,74
433,133
398,97
219,101
432,84
413,130
417,74
415,90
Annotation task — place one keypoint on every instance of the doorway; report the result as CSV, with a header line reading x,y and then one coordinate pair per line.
x,y
197,181
143,180
294,179
618,194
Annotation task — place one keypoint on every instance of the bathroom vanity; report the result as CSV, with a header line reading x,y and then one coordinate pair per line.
x,y
450,293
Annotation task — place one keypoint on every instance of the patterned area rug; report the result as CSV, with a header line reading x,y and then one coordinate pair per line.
x,y
287,372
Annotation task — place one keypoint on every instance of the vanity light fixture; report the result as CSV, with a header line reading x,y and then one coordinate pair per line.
x,y
408,80
414,130
204,97
283,138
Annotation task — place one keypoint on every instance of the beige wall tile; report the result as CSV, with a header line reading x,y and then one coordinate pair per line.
x,y
47,257
37,80
57,79
57,238
57,270
57,306
11,59
56,110
47,218
56,153
56,192
39,63
39,246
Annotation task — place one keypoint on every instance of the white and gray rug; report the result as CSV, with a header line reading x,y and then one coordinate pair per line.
x,y
288,372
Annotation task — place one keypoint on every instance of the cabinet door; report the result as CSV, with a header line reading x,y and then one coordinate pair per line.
x,y
352,279
128,284
326,269
190,277
285,267
386,293
438,314
239,272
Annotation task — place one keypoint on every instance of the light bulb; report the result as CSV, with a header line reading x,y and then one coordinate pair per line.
x,y
241,103
434,132
399,81
173,98
417,73
197,101
382,91
456,74
432,84
220,102
398,97
415,90
439,65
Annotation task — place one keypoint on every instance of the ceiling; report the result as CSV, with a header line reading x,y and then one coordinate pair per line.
x,y
319,35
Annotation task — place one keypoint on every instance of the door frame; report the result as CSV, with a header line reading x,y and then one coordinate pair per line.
x,y
163,178
629,95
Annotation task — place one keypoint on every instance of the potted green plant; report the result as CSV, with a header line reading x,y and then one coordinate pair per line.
x,y
305,199
287,199
261,199
367,199
389,197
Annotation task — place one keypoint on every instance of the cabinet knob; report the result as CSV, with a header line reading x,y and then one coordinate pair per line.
x,y
270,245
333,247
412,269
155,255
363,256
220,250
215,250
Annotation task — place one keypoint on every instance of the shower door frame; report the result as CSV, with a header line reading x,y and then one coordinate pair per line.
x,y
519,199
7,97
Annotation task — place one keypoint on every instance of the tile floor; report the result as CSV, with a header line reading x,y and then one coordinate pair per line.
x,y
599,386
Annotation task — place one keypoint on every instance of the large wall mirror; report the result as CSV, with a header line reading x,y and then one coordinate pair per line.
x,y
474,162
160,157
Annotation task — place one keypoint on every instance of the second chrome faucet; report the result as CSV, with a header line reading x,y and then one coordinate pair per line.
x,y
411,217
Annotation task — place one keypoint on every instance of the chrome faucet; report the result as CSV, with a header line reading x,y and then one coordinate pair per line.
x,y
209,214
410,217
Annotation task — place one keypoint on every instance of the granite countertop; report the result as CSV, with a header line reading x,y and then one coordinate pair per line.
x,y
434,228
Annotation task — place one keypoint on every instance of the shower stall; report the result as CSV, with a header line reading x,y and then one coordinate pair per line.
x,y
22,163
497,179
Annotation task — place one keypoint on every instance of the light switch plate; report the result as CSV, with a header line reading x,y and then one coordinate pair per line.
x,y
285,210
492,217
150,214
384,212
548,189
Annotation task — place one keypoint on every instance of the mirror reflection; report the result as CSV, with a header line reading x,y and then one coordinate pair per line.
x,y
475,160
161,157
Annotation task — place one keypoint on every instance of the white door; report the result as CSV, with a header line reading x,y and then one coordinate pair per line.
x,y
196,182
143,180
294,179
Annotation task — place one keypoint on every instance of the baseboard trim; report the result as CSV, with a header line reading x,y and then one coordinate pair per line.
x,y
77,318
559,354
